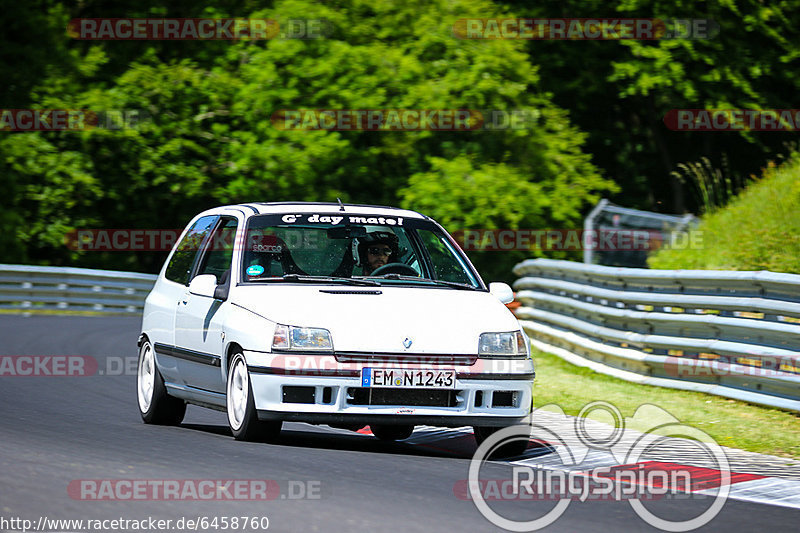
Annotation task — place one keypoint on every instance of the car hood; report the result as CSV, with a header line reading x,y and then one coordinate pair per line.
x,y
380,319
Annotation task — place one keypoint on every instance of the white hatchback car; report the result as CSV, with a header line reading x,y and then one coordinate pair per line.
x,y
346,315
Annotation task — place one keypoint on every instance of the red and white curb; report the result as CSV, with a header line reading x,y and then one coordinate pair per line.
x,y
748,485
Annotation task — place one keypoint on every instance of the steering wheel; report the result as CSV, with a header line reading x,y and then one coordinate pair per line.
x,y
395,268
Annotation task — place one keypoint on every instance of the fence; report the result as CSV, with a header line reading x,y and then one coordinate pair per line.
x,y
35,288
661,229
734,334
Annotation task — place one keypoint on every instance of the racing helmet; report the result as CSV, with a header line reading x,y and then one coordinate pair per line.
x,y
378,237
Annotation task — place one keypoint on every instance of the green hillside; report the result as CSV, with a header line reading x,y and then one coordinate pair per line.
x,y
758,230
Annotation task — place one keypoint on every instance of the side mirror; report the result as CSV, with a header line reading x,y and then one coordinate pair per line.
x,y
501,291
222,291
204,285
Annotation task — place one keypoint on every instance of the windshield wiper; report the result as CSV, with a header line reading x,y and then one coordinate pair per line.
x,y
453,284
299,277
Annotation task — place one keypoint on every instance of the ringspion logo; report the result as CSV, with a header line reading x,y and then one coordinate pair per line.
x,y
635,478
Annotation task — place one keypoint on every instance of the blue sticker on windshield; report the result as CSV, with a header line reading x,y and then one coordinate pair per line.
x,y
255,270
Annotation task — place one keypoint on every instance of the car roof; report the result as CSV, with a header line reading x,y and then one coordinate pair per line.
x,y
262,208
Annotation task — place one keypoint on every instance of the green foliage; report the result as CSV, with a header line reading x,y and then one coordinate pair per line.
x,y
209,139
462,194
715,186
758,230
619,91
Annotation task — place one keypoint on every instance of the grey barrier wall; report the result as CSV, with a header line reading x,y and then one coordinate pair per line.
x,y
35,288
734,334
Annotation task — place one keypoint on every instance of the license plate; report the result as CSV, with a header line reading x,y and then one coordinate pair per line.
x,y
407,378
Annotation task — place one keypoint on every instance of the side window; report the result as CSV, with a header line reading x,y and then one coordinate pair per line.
x,y
219,251
180,266
446,264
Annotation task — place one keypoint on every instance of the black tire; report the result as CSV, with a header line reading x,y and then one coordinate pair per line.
x,y
155,405
242,415
513,448
392,433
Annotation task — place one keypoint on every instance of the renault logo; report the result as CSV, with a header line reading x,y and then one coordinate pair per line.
x,y
407,342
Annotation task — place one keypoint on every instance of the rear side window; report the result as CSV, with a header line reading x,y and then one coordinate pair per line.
x,y
180,265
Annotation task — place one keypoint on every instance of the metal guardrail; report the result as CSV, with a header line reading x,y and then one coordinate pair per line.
x,y
735,334
34,288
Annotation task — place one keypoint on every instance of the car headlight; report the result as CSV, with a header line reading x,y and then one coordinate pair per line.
x,y
510,344
301,339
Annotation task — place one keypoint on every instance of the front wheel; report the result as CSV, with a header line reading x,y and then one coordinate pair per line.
x,y
155,405
242,416
392,433
512,448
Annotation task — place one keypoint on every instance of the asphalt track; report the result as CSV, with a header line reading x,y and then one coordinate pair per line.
x,y
55,430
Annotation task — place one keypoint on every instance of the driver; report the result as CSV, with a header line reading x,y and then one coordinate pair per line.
x,y
377,249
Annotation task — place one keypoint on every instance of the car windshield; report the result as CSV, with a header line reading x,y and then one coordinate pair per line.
x,y
352,248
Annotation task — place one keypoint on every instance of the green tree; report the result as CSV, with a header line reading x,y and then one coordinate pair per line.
x,y
619,91
209,138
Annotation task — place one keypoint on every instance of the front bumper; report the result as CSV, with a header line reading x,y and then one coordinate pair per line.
x,y
323,391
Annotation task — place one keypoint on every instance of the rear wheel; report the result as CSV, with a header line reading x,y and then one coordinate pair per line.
x,y
155,405
392,433
242,415
511,448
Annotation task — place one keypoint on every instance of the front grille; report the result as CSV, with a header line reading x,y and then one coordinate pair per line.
x,y
402,397
406,358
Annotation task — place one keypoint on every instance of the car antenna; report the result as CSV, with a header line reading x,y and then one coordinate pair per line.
x,y
341,205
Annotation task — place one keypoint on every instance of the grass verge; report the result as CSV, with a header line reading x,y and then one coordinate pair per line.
x,y
730,422
758,230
